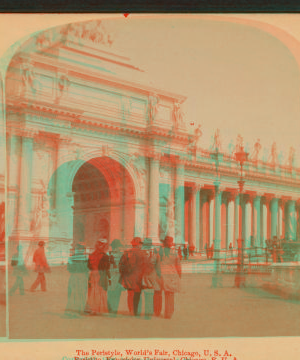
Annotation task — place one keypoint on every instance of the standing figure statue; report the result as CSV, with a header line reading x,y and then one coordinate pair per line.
x,y
291,158
178,116
194,139
152,108
256,151
273,157
217,141
239,144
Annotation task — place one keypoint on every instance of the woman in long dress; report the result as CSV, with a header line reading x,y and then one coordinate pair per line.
x,y
99,279
170,269
78,281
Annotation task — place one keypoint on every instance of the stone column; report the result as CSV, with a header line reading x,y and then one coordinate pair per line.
x,y
291,220
248,221
237,218
218,201
298,220
204,231
179,205
193,217
153,219
224,215
274,217
256,221
13,166
211,209
217,277
230,217
25,186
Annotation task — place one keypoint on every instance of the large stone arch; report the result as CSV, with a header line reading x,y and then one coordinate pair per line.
x,y
61,225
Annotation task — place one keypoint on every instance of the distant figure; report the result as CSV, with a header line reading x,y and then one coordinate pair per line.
x,y
185,252
78,281
231,250
131,269
19,270
179,252
212,251
115,290
191,250
206,248
267,252
151,276
170,279
99,279
41,267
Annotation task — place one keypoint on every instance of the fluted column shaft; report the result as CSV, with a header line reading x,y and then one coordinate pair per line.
x,y
153,219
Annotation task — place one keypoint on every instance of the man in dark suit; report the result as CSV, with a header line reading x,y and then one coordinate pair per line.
x,y
131,269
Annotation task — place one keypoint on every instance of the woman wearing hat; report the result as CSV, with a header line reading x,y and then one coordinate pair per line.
x,y
41,266
170,279
78,281
131,269
99,279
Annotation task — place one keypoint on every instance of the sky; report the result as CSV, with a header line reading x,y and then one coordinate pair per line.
x,y
236,77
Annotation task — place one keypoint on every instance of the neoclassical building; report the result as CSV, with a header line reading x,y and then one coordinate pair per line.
x,y
92,151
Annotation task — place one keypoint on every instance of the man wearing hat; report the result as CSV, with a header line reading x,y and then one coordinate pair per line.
x,y
170,278
41,266
131,269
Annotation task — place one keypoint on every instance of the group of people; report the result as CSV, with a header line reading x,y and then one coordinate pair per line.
x,y
96,284
97,281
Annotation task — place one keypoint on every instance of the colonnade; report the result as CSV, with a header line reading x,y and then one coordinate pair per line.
x,y
221,215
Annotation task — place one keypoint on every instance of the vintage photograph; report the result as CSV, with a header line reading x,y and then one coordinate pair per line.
x,y
152,179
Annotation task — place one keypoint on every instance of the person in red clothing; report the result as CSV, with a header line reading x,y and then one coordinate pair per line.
x,y
41,266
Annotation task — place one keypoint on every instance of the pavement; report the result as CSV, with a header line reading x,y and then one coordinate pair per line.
x,y
200,311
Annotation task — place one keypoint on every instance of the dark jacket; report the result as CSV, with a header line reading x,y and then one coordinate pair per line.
x,y
131,267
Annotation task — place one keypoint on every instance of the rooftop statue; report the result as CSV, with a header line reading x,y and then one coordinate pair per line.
x,y
217,141
194,139
239,144
273,157
179,118
256,151
291,158
93,31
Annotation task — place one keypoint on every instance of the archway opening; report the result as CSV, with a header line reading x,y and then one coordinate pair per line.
x,y
104,202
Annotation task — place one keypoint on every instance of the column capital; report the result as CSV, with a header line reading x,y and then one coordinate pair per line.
x,y
266,199
195,188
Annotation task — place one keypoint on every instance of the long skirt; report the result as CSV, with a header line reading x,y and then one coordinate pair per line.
x,y
77,292
97,296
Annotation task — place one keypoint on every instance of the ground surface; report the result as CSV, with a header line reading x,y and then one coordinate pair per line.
x,y
201,311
